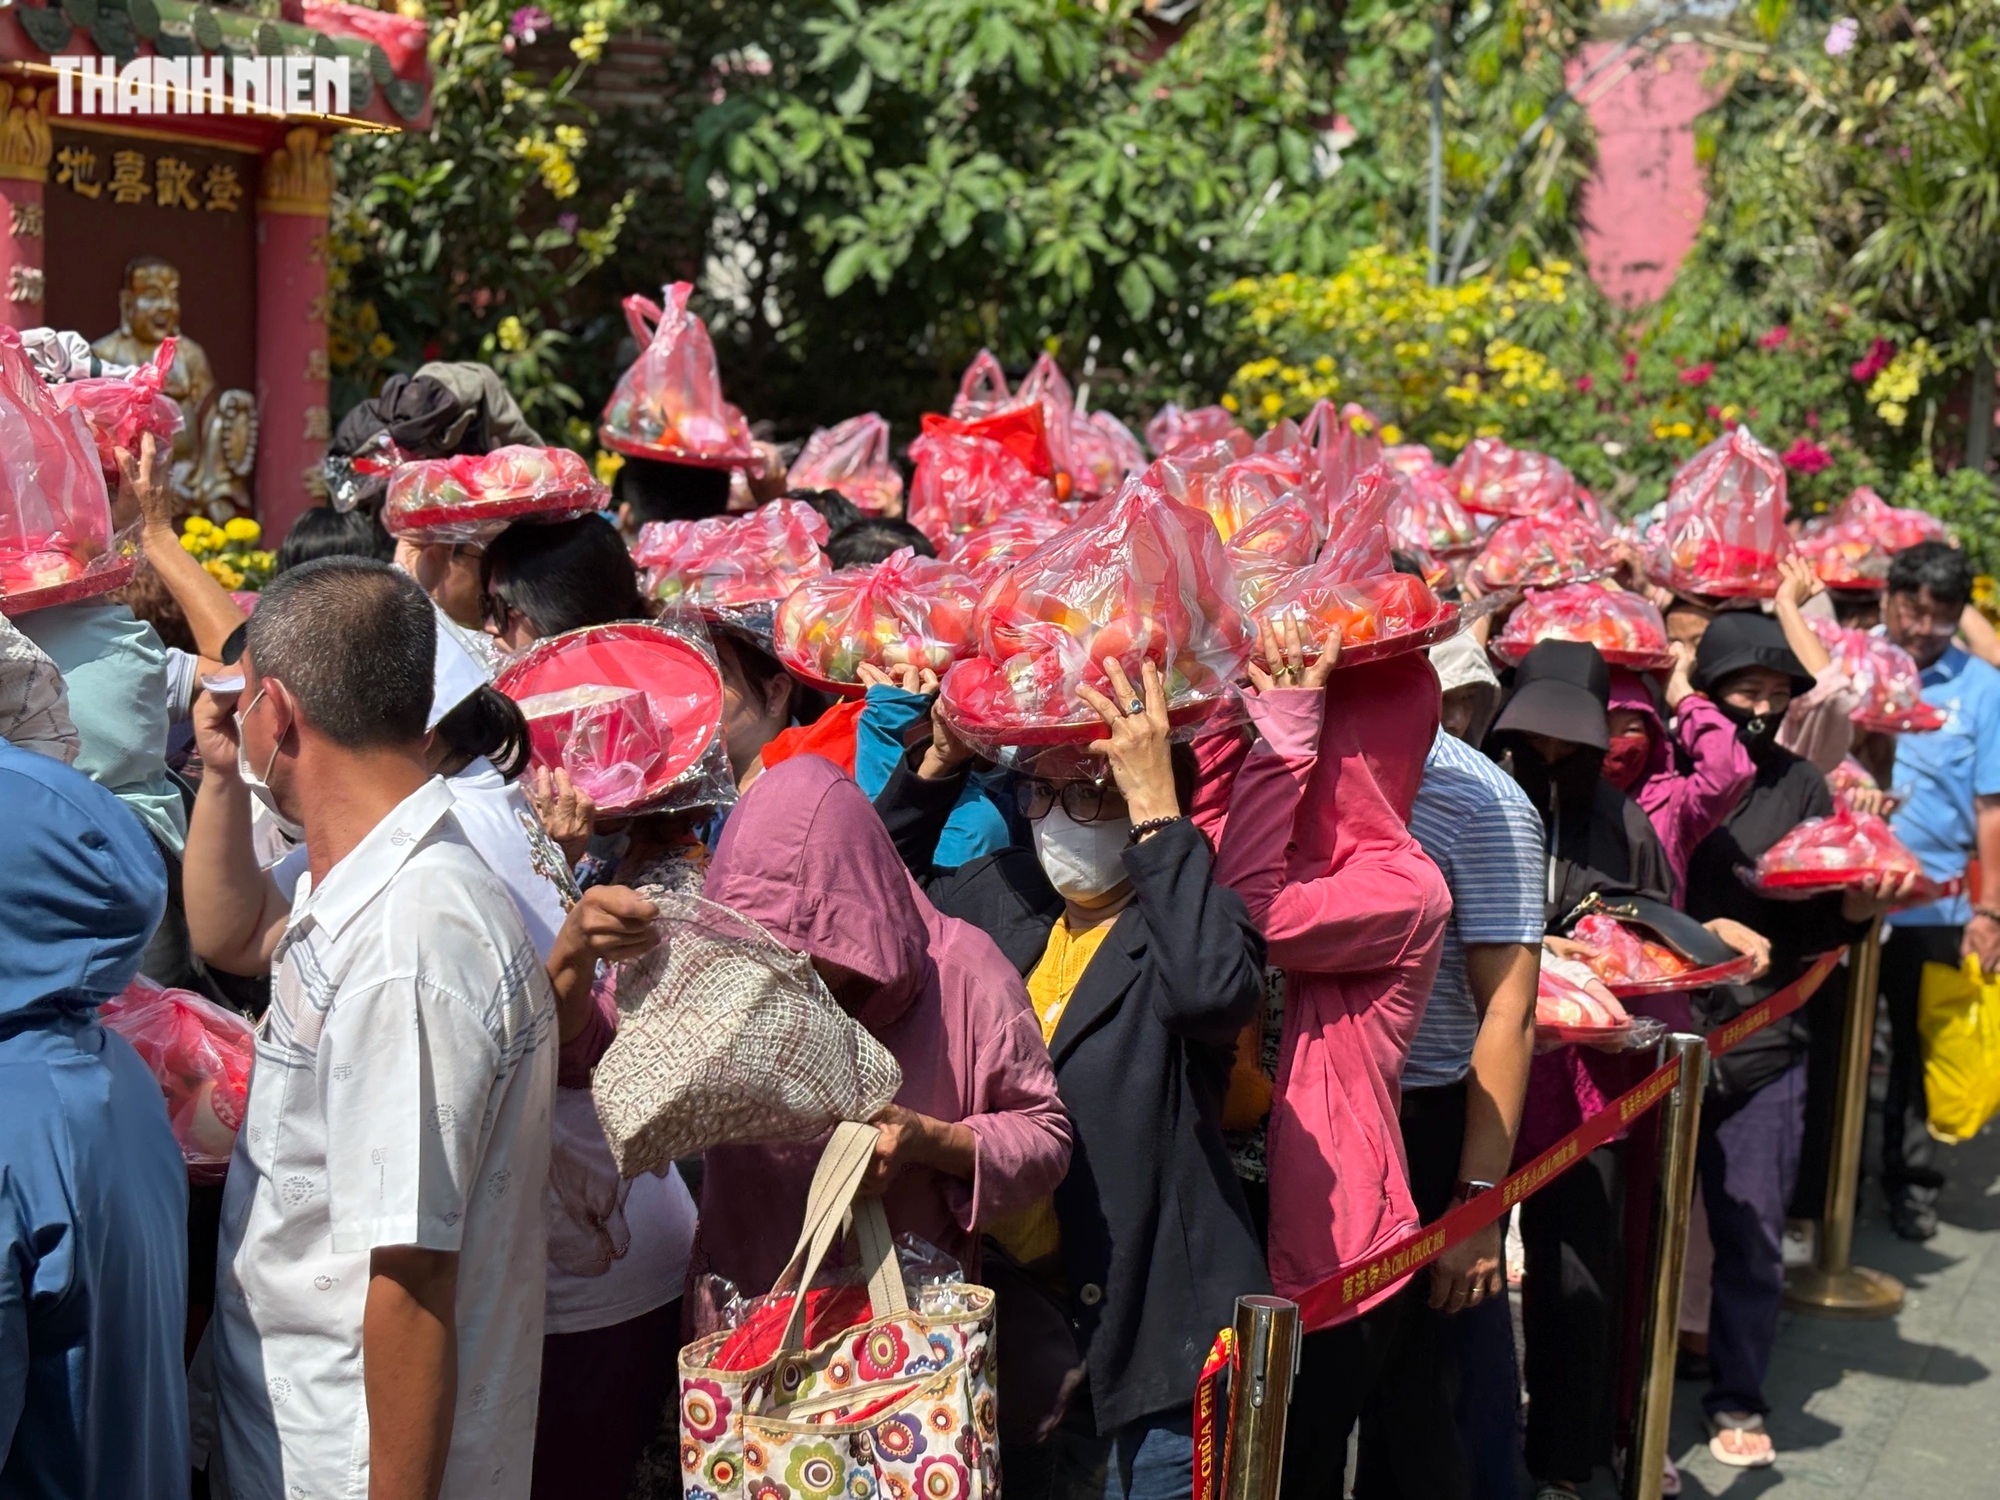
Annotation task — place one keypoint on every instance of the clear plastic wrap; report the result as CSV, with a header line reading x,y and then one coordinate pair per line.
x,y
836,1301
1885,675
1849,780
1172,429
1626,628
1494,479
1143,579
1233,491
632,709
853,458
669,405
1424,513
1379,616
1851,547
472,497
119,408
1269,550
1344,443
1560,546
1045,388
201,1054
1723,533
1105,454
905,611
982,389
1830,854
995,547
733,568
971,475
1573,1005
1632,964
55,513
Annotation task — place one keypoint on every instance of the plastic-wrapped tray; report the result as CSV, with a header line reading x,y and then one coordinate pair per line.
x,y
633,448
1636,1033
1925,718
106,572
1442,629
1738,968
681,682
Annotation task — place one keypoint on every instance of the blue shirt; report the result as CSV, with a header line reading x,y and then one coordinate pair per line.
x,y
93,1189
976,825
1481,830
1943,772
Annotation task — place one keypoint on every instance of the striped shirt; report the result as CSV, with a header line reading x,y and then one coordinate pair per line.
x,y
1481,830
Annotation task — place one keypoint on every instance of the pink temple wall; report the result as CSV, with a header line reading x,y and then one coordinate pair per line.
x,y
1642,208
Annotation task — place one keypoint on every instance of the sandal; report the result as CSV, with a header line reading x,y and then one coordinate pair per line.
x,y
1721,1424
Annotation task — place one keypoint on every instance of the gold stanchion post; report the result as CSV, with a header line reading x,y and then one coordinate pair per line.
x,y
1260,1393
1834,1287
1680,1124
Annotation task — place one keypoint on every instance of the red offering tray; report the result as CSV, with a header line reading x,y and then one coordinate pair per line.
x,y
681,684
1923,719
971,674
1557,1036
557,506
1822,882
633,448
1740,967
106,573
1443,629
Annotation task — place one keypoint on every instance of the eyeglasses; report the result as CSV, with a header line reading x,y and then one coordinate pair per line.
x,y
496,612
1082,801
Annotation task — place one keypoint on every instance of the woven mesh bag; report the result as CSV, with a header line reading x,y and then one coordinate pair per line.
x,y
726,1037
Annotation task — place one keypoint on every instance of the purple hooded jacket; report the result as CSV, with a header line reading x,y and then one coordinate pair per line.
x,y
805,855
1685,808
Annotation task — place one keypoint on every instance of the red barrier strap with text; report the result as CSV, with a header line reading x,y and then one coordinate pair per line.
x,y
1207,1414
1325,1303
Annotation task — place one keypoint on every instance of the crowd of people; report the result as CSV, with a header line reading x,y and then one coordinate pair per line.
x,y
1177,1018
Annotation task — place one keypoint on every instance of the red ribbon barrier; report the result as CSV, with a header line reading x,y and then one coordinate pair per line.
x,y
1326,1302
1206,1411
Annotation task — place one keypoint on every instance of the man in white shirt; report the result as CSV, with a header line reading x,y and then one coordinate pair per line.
x,y
378,1319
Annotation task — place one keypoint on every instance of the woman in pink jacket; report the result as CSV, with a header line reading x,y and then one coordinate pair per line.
x,y
1318,845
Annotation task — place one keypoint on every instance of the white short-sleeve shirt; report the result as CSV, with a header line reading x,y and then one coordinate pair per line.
x,y
401,1096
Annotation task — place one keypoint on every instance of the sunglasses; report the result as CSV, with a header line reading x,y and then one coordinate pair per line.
x,y
1082,801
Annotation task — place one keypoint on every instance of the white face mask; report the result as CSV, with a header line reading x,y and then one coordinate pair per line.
x,y
259,787
1082,860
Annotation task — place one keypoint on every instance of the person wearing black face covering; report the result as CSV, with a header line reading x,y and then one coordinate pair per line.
x,y
1551,736
1753,1119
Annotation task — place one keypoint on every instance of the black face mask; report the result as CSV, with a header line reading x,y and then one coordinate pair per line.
x,y
1757,732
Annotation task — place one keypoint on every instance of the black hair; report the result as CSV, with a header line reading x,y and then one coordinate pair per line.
x,y
326,532
355,641
834,508
873,539
1406,562
488,724
740,657
659,491
1937,566
565,574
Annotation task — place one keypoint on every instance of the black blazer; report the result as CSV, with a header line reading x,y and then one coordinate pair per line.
x,y
1157,1242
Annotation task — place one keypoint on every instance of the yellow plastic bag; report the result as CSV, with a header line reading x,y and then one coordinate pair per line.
x,y
1958,1016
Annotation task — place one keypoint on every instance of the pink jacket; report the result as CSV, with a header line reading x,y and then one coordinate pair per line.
x,y
1318,844
805,855
1685,807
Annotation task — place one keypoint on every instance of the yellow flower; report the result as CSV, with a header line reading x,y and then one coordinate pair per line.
x,y
609,463
1271,405
1230,403
381,346
223,574
242,529
193,543
512,336
588,45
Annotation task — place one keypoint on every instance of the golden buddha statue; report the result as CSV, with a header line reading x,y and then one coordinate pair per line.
x,y
216,448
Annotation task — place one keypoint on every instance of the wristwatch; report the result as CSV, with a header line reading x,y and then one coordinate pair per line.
x,y
1466,1191
1992,914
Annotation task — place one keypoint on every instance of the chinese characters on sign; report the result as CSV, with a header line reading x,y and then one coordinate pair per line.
x,y
170,182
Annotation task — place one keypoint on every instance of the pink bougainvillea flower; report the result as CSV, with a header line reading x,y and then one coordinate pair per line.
x,y
1806,457
1698,374
529,21
1875,362
1584,383
1775,339
1631,365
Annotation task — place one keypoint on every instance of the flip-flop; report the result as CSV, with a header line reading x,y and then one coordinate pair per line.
x,y
1723,1422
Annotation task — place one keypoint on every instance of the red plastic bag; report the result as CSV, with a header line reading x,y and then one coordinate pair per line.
x,y
1826,854
1621,956
730,564
1144,579
1851,548
55,514
982,389
1105,454
1627,629
1173,429
905,611
201,1054
601,734
853,458
669,404
998,545
1885,675
1045,389
1269,550
1424,513
1848,779
1344,443
1232,491
118,408
1358,540
472,497
1382,615
965,480
1570,996
1560,546
1724,532
1496,480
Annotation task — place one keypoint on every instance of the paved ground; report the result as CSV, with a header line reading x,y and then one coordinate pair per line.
x,y
1908,1407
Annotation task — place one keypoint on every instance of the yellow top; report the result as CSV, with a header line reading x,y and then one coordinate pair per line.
x,y
1033,1234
